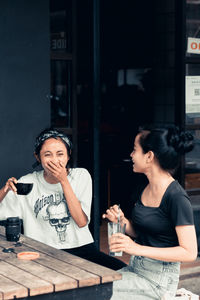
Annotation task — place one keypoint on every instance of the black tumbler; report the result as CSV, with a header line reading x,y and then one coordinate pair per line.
x,y
13,229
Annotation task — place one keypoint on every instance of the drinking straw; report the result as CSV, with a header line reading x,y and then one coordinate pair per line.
x,y
118,216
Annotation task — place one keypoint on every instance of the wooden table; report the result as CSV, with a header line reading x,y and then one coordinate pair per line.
x,y
54,275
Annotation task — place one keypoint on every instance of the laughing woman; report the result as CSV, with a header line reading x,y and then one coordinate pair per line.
x,y
161,233
57,210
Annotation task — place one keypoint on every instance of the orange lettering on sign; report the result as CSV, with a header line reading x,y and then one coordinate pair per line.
x,y
194,45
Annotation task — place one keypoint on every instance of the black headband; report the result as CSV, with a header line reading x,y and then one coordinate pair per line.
x,y
51,134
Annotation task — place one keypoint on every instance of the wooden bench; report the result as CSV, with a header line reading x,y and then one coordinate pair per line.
x,y
54,275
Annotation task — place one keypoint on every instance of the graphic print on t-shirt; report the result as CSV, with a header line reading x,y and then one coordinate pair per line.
x,y
57,213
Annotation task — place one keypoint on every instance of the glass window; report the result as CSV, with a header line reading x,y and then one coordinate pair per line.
x,y
61,93
60,25
192,94
61,63
192,121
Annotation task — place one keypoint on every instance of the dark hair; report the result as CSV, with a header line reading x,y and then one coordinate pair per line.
x,y
167,143
51,133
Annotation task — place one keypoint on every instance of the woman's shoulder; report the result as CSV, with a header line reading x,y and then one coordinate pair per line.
x,y
76,172
175,188
178,205
28,178
176,194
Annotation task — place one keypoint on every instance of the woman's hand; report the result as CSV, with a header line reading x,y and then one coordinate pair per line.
x,y
121,242
10,185
113,213
58,171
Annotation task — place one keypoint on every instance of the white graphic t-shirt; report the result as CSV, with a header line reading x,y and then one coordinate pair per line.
x,y
45,213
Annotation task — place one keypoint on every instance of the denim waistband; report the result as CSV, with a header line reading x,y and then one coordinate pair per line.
x,y
154,265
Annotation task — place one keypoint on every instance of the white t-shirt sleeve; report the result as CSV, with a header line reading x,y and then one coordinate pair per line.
x,y
10,206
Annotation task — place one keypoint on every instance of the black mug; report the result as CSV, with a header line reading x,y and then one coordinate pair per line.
x,y
23,188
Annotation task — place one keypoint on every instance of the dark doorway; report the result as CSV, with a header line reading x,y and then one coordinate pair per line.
x,y
126,40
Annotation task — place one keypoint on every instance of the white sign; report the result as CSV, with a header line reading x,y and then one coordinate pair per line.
x,y
193,45
192,93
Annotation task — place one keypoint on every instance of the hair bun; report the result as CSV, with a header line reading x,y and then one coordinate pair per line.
x,y
180,140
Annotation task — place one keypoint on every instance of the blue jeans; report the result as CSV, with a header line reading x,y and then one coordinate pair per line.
x,y
146,279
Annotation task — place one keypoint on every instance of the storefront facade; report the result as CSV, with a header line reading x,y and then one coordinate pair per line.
x,y
97,70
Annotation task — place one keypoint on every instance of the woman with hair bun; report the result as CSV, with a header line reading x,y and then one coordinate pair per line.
x,y
161,233
57,210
